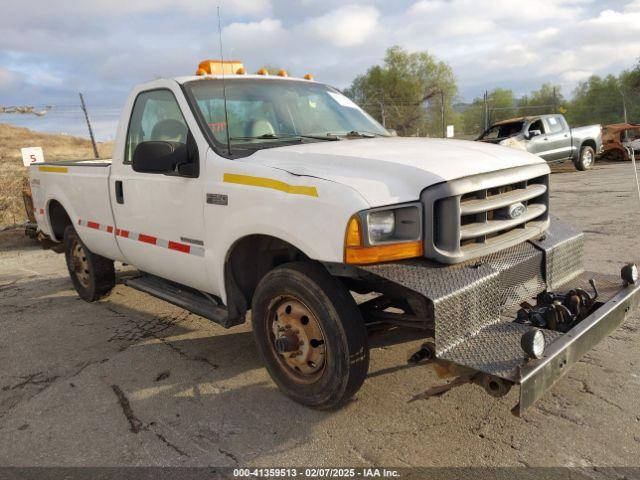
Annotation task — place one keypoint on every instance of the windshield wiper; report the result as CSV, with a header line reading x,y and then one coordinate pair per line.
x,y
359,134
285,136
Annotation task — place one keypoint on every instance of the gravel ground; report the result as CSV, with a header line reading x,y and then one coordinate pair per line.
x,y
132,380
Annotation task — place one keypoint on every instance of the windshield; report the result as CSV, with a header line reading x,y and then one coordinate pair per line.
x,y
503,130
268,112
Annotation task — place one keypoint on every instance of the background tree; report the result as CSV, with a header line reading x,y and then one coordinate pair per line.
x,y
501,103
547,99
629,84
406,92
596,100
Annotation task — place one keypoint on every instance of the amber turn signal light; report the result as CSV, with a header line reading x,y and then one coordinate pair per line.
x,y
354,235
356,253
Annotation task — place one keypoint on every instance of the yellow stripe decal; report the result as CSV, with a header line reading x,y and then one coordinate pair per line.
x,y
269,183
53,169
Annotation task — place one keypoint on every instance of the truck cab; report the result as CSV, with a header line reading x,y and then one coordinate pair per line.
x,y
233,193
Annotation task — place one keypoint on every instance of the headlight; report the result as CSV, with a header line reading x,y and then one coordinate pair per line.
x,y
533,343
381,225
392,224
384,234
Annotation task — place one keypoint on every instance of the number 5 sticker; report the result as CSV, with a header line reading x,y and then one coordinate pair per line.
x,y
31,155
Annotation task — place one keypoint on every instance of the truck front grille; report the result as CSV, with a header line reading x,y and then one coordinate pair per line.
x,y
477,215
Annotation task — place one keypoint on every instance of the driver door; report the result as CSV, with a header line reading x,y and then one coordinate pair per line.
x,y
159,216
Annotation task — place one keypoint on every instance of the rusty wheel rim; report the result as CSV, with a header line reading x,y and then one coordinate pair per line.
x,y
297,339
80,264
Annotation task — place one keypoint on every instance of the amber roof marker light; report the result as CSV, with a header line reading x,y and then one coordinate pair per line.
x,y
219,67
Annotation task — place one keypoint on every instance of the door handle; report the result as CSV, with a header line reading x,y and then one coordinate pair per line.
x,y
119,192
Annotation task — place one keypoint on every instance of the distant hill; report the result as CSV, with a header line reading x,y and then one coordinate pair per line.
x,y
13,173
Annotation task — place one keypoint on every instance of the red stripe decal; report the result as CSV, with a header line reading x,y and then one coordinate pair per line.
x,y
147,239
177,246
180,247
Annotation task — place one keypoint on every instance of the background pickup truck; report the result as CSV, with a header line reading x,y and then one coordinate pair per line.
x,y
282,197
549,137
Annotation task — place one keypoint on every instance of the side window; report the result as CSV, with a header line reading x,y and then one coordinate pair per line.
x,y
537,125
155,116
555,124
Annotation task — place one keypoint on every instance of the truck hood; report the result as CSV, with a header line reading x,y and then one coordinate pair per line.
x,y
394,169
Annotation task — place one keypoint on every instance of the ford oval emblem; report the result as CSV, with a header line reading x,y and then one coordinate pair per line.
x,y
517,210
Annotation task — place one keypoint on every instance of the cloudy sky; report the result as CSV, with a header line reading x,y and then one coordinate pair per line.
x,y
51,49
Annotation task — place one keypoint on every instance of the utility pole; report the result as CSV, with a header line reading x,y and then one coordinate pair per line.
x,y
383,114
86,116
624,105
555,101
486,110
444,128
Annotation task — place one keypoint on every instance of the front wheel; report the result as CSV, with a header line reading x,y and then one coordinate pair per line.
x,y
310,334
586,159
92,276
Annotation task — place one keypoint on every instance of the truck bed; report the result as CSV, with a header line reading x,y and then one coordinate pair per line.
x,y
81,189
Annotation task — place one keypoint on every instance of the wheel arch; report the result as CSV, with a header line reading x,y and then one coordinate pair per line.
x,y
247,261
58,218
589,142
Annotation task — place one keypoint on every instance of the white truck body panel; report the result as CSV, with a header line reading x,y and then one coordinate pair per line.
x,y
83,192
392,170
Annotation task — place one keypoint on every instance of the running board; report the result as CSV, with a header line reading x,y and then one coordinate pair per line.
x,y
181,296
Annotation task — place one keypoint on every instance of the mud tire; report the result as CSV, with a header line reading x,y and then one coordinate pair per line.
x,y
345,335
100,277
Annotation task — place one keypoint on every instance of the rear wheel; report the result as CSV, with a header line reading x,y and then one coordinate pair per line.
x,y
586,159
310,335
92,276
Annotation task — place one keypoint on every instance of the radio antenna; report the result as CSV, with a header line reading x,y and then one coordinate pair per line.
x,y
224,86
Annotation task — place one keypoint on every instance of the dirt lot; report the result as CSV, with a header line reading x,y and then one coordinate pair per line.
x,y
134,381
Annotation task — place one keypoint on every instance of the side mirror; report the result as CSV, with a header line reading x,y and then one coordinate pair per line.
x,y
159,157
534,133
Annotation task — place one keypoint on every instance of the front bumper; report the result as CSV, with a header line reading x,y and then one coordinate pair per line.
x,y
472,307
535,377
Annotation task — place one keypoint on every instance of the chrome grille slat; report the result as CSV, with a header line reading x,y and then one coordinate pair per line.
x,y
470,217
479,229
470,207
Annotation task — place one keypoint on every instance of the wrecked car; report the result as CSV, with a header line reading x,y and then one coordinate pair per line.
x,y
618,139
549,137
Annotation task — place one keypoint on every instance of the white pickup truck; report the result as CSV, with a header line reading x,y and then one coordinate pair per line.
x,y
238,192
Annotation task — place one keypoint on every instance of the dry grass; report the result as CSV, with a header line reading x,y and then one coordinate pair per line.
x,y
12,172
